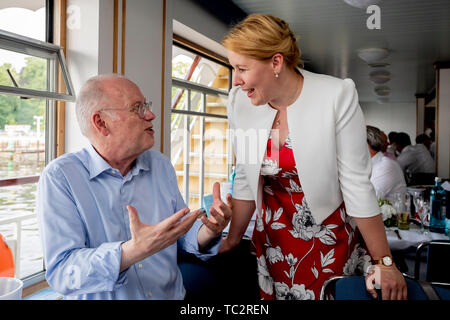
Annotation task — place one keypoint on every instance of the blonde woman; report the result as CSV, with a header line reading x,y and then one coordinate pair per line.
x,y
303,163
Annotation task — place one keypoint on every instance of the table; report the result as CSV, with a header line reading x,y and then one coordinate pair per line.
x,y
410,238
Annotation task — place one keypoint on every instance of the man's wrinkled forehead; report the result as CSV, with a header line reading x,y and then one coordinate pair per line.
x,y
122,90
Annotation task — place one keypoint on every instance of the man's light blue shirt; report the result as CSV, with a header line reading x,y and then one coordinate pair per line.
x,y
83,220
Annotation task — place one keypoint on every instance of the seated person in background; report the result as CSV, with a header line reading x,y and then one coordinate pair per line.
x,y
425,140
385,145
430,132
387,176
391,148
433,146
96,245
413,159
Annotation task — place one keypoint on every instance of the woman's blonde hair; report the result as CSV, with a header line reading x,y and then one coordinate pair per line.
x,y
261,36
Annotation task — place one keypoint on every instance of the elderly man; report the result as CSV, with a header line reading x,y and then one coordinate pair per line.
x,y
111,216
387,176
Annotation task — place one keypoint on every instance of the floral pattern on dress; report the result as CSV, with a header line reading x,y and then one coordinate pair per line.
x,y
359,262
295,254
269,167
264,279
296,292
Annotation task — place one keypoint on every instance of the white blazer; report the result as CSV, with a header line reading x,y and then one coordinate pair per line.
x,y
328,135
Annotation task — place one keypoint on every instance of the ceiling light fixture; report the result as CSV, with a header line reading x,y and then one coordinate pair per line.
x,y
362,4
380,76
379,65
382,91
382,100
373,55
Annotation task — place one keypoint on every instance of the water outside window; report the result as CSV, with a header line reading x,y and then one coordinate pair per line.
x,y
22,135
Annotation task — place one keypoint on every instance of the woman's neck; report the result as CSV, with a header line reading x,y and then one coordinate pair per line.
x,y
288,90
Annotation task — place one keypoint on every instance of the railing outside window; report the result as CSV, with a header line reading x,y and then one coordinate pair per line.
x,y
200,146
28,91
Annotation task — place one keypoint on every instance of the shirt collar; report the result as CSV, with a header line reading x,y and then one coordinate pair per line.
x,y
141,163
97,164
377,157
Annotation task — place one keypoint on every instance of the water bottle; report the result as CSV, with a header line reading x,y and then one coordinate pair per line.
x,y
438,210
233,175
227,186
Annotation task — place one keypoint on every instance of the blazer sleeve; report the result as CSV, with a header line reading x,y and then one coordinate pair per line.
x,y
241,187
353,160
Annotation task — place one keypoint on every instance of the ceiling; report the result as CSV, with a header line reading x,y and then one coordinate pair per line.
x,y
29,4
416,33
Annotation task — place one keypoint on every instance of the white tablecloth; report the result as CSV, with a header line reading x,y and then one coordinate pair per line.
x,y
411,237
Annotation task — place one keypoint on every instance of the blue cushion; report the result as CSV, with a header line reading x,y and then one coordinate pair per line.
x,y
354,288
443,293
198,278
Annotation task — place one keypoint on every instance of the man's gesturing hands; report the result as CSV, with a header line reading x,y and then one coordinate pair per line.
x,y
149,239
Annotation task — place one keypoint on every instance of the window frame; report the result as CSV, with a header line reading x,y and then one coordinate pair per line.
x,y
21,44
55,103
187,45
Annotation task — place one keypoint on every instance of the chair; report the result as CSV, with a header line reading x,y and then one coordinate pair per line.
x,y
421,178
199,279
345,288
437,266
6,259
227,275
354,288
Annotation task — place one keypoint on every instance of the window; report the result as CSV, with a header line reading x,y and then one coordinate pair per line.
x,y
46,57
28,91
200,146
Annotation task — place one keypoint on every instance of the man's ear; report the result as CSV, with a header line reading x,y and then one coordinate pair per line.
x,y
277,62
99,124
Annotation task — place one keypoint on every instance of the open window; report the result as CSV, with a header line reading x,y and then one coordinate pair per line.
x,y
33,80
47,54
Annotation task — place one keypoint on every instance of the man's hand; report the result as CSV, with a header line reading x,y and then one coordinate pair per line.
x,y
219,217
226,245
150,239
391,281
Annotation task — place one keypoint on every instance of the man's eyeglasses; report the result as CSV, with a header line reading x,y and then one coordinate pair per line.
x,y
140,109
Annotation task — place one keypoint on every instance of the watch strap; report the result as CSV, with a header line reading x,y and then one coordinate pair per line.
x,y
380,261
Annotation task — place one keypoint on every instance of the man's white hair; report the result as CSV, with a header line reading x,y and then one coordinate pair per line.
x,y
91,98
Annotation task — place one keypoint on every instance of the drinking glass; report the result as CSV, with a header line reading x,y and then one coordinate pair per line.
x,y
424,213
405,216
418,202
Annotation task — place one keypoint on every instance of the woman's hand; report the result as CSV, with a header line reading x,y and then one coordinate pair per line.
x,y
391,281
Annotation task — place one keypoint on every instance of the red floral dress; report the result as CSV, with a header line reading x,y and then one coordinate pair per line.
x,y
296,255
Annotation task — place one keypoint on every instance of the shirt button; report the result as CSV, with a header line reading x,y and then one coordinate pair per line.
x,y
140,266
149,293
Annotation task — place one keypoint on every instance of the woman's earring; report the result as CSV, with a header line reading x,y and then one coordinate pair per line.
x,y
276,75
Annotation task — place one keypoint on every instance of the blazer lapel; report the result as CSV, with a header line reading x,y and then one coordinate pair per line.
x,y
255,123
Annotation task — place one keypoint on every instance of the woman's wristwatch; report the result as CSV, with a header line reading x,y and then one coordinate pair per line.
x,y
385,261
